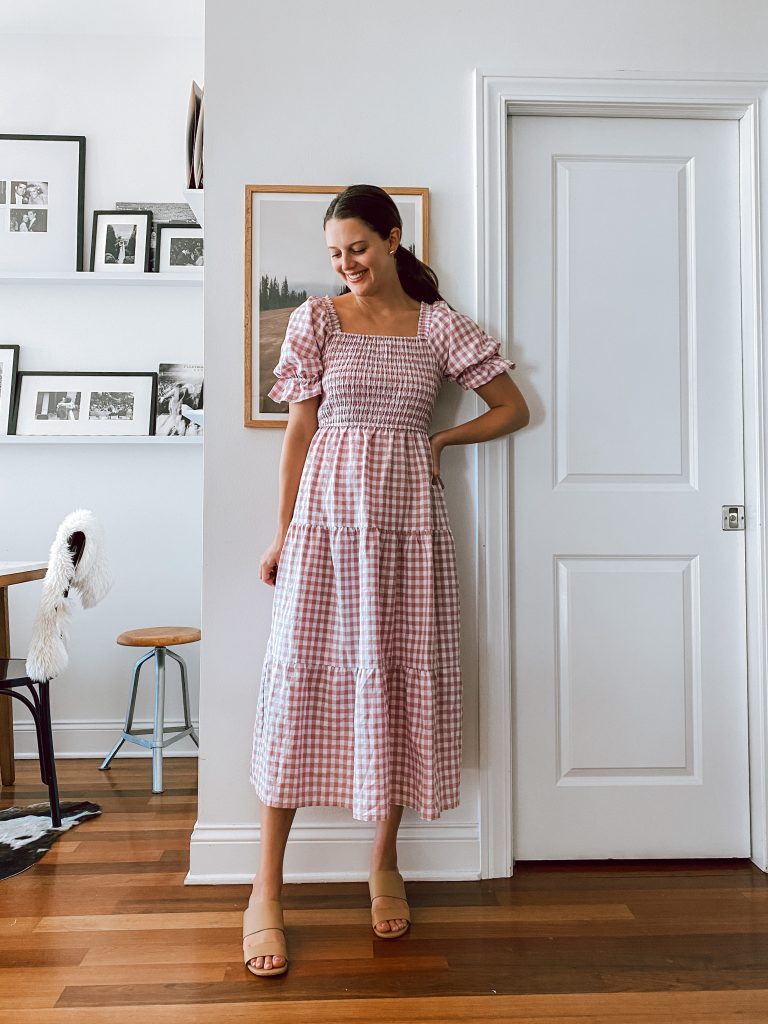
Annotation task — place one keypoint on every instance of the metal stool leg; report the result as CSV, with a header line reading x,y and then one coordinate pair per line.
x,y
185,696
129,713
157,737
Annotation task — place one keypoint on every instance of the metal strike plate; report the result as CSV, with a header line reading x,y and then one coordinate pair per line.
x,y
733,517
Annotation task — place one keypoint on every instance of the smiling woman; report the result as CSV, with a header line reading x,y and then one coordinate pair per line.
x,y
360,703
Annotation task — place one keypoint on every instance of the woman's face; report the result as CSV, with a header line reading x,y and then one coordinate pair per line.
x,y
360,256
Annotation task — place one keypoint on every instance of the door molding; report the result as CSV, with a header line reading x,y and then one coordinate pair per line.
x,y
498,97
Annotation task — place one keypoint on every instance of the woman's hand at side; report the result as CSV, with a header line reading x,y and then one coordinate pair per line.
x,y
436,446
270,561
301,428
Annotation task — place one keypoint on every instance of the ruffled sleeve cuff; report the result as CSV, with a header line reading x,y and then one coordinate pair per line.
x,y
299,370
482,372
472,357
296,388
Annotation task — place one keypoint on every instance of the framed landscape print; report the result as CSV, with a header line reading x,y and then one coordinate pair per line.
x,y
70,404
179,249
42,188
120,241
9,362
286,260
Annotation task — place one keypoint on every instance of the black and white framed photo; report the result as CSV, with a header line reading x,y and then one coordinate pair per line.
x,y
179,400
9,364
162,213
120,241
69,404
179,249
286,260
42,195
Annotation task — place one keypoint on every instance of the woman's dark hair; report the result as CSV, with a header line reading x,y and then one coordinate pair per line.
x,y
378,210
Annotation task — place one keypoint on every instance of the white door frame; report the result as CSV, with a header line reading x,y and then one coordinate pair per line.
x,y
732,97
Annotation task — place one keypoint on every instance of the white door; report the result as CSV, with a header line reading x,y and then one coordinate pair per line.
x,y
630,702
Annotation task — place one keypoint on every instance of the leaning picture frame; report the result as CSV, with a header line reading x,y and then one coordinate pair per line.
x,y
162,213
179,249
286,260
64,403
42,192
9,364
120,241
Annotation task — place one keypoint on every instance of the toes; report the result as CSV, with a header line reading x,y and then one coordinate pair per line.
x,y
394,924
267,963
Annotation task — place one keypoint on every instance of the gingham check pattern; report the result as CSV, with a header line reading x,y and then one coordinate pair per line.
x,y
360,703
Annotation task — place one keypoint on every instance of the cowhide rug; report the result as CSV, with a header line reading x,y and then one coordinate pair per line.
x,y
26,833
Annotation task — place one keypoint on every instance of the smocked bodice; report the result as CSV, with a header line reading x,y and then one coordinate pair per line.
x,y
375,380
378,380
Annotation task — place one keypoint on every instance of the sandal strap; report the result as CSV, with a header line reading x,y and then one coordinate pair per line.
x,y
390,886
386,883
257,917
274,947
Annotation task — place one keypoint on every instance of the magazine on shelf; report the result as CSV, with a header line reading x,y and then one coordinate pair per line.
x,y
194,112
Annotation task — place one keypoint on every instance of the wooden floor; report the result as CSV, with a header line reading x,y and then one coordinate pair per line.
x,y
103,927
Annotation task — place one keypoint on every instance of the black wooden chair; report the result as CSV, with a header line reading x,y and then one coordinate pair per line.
x,y
14,678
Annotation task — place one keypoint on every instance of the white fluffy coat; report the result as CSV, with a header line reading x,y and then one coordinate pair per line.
x,y
92,580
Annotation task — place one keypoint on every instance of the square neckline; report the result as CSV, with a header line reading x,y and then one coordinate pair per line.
x,y
388,337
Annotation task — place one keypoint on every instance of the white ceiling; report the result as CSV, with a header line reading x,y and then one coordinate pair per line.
x,y
149,18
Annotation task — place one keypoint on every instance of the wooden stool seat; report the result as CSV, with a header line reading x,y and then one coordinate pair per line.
x,y
159,636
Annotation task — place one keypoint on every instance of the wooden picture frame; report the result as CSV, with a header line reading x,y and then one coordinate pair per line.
x,y
279,277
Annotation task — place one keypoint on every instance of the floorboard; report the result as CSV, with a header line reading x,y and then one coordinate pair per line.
x,y
103,924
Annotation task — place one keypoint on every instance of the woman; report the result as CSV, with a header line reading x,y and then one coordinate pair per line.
x,y
360,702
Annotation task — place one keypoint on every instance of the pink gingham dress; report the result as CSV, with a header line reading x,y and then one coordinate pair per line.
x,y
360,703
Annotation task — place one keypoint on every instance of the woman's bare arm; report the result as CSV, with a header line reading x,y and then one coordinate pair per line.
x,y
508,412
302,426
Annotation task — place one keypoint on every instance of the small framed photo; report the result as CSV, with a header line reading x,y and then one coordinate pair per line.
x,y
162,213
9,364
179,400
120,241
286,260
70,404
179,248
41,195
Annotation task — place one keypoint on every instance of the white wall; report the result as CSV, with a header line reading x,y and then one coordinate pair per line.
x,y
70,74
343,93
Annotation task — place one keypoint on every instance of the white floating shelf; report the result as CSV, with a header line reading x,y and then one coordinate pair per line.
x,y
101,277
195,197
99,439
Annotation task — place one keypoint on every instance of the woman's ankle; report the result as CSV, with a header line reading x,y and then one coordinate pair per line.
x,y
266,889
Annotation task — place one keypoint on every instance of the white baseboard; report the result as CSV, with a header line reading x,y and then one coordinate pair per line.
x,y
221,855
94,738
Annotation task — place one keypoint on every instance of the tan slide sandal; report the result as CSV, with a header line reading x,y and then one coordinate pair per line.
x,y
389,884
257,916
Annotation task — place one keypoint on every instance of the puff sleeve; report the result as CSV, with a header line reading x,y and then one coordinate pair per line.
x,y
300,368
470,356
